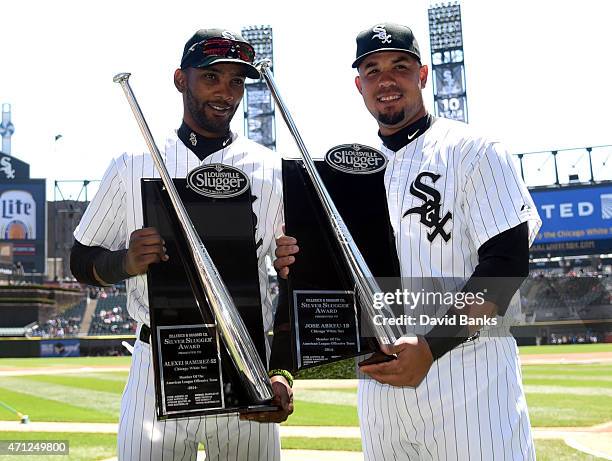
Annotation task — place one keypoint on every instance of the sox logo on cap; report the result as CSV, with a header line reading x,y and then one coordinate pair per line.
x,y
381,33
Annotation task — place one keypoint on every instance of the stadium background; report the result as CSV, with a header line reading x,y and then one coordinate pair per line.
x,y
61,343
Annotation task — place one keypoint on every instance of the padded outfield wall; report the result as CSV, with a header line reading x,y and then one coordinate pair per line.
x,y
90,346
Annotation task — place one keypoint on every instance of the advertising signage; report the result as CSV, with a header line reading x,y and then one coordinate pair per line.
x,y
22,221
575,220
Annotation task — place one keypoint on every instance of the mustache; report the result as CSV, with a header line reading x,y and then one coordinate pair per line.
x,y
388,91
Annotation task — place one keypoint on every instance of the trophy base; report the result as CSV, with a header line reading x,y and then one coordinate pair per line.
x,y
377,357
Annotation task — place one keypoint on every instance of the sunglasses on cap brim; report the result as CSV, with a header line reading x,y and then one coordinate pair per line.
x,y
221,47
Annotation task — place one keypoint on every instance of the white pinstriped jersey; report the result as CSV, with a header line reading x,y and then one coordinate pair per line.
x,y
116,210
479,193
448,192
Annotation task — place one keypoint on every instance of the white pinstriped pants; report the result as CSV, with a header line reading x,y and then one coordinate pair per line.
x,y
470,406
141,437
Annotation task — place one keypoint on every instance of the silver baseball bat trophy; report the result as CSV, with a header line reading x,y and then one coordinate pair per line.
x,y
364,280
233,332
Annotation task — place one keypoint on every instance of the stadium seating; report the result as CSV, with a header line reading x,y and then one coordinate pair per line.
x,y
566,297
63,325
111,317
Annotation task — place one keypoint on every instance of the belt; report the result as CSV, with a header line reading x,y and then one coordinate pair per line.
x,y
145,334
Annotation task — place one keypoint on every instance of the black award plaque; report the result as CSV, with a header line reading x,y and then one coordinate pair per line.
x,y
326,326
191,369
194,374
324,311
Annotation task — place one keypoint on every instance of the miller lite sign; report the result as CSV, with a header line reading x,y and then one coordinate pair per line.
x,y
18,219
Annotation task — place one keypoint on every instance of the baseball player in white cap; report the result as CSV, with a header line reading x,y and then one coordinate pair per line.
x,y
460,212
111,245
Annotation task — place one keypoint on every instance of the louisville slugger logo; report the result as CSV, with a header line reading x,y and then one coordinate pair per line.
x,y
218,181
381,33
356,159
430,210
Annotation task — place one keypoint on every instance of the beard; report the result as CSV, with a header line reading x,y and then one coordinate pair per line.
x,y
197,111
391,119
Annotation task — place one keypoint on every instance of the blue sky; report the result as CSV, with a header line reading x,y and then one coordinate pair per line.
x,y
538,72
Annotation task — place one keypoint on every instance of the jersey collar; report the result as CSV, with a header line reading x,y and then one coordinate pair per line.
x,y
201,145
406,135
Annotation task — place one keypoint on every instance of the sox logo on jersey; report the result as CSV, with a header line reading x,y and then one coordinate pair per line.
x,y
470,406
430,210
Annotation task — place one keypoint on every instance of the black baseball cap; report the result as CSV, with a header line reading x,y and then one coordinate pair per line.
x,y
211,46
386,37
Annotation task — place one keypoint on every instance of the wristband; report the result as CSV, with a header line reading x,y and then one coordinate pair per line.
x,y
284,373
440,346
81,262
110,266
444,337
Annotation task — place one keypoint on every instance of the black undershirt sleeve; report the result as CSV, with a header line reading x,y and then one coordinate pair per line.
x,y
108,264
81,262
503,265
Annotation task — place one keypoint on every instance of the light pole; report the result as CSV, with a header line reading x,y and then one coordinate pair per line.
x,y
6,128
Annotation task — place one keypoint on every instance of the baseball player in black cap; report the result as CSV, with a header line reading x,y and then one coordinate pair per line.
x,y
462,216
111,245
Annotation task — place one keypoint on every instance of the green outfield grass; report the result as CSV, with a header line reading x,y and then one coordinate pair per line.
x,y
546,450
558,410
82,447
557,450
95,392
558,395
328,444
93,447
565,348
91,397
125,361
66,362
45,409
568,395
320,414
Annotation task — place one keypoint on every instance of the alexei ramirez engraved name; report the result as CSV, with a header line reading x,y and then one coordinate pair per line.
x,y
427,320
356,159
218,181
189,363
